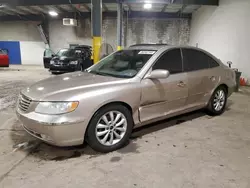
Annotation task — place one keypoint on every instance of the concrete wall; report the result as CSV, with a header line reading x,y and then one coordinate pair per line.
x,y
31,44
172,31
224,31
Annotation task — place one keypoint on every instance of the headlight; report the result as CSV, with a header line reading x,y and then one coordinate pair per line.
x,y
56,108
73,62
51,62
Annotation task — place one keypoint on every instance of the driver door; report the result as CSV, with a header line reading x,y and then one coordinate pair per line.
x,y
47,56
161,97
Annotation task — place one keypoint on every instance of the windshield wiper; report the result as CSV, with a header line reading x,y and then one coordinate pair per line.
x,y
108,74
100,73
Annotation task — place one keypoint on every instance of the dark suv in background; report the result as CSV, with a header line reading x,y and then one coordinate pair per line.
x,y
69,59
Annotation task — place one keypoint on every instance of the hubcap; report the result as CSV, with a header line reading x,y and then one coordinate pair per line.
x,y
111,128
219,100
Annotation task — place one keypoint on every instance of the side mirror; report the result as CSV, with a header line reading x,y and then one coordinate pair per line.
x,y
158,74
53,55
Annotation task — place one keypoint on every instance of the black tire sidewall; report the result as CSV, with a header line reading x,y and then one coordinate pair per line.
x,y
211,106
90,133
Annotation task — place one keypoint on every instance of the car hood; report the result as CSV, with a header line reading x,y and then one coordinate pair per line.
x,y
54,88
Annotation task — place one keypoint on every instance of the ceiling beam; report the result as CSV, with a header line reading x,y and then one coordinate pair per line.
x,y
7,12
67,9
15,10
105,8
39,9
186,2
86,7
182,9
163,15
164,8
28,9
54,8
132,14
79,7
61,2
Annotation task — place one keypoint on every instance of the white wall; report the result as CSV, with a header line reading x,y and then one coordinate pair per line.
x,y
19,31
31,44
32,52
224,31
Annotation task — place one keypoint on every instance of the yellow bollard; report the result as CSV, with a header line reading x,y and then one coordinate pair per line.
x,y
96,48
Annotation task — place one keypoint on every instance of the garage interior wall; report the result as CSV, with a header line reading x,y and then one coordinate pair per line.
x,y
171,31
224,31
31,44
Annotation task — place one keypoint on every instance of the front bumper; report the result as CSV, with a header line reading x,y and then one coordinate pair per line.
x,y
56,130
63,68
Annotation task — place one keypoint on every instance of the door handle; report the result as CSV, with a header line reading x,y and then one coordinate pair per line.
x,y
181,84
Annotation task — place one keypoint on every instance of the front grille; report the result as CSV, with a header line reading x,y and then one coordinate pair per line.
x,y
61,62
24,103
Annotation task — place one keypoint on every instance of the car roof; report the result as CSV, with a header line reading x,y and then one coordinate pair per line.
x,y
157,47
82,46
148,46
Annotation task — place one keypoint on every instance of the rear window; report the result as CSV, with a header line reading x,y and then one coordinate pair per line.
x,y
197,60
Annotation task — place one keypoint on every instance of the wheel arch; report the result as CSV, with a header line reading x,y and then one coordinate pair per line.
x,y
108,104
225,86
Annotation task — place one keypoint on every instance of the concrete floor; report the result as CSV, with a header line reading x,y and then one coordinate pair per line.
x,y
194,150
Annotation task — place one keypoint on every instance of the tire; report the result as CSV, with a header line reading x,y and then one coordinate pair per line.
x,y
106,130
219,95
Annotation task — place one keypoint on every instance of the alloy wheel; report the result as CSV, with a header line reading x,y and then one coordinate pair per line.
x,y
111,128
219,100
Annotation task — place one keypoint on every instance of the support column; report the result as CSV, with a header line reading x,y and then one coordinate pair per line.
x,y
96,22
119,25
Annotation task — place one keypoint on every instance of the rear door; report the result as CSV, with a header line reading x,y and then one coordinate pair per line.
x,y
202,74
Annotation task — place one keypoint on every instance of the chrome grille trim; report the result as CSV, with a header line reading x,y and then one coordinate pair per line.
x,y
24,103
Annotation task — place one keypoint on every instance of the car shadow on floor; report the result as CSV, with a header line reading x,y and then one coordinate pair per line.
x,y
22,141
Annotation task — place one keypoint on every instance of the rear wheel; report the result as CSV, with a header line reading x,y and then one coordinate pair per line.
x,y
218,101
110,128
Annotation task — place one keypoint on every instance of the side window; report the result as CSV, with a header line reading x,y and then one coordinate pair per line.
x,y
48,53
212,62
170,61
197,60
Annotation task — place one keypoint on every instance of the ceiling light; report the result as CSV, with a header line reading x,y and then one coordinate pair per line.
x,y
53,13
147,6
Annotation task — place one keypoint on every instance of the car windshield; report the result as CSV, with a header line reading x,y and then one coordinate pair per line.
x,y
122,64
66,52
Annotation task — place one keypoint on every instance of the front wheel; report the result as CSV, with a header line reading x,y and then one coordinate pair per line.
x,y
110,128
218,101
